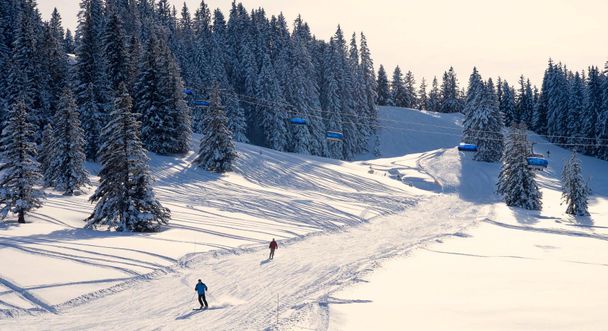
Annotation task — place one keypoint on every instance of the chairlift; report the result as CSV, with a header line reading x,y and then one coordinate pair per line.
x,y
297,121
201,103
537,162
464,147
334,136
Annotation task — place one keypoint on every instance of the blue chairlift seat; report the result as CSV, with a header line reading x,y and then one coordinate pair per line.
x,y
463,147
334,136
537,163
298,121
201,103
188,92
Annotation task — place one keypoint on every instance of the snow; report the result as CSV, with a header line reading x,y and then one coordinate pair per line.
x,y
515,270
415,240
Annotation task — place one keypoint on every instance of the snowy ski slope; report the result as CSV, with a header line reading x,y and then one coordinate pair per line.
x,y
516,270
337,223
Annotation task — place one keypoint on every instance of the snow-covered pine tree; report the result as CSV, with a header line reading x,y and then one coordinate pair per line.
x,y
558,105
45,152
116,53
410,88
68,44
575,191
487,121
423,99
359,119
507,103
602,125
19,172
524,107
541,108
54,72
576,108
273,114
217,68
593,106
331,104
166,127
434,97
450,102
21,76
516,182
301,91
399,96
345,77
473,94
55,26
483,120
66,171
217,151
383,89
125,198
91,86
369,89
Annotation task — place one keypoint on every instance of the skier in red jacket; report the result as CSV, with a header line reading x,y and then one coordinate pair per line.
x,y
273,246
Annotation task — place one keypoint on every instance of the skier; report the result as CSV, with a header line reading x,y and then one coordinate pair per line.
x,y
200,288
273,246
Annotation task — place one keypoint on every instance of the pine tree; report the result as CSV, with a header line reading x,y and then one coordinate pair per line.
x,y
383,90
66,171
273,118
116,53
92,83
45,153
410,88
483,120
575,191
602,125
576,109
524,102
302,92
368,77
450,102
593,106
69,45
507,104
434,97
423,100
473,92
217,152
558,105
542,106
19,171
166,127
399,96
125,199
516,182
331,104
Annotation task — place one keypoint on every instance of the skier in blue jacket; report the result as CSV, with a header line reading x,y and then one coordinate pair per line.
x,y
200,288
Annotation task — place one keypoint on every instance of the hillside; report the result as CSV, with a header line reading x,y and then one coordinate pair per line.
x,y
338,224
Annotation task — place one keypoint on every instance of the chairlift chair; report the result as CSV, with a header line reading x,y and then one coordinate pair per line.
x,y
334,136
464,147
297,121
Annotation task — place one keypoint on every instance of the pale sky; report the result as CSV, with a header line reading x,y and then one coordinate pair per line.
x,y
500,37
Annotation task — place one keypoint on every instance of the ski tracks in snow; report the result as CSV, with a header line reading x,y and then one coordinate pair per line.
x,y
245,292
